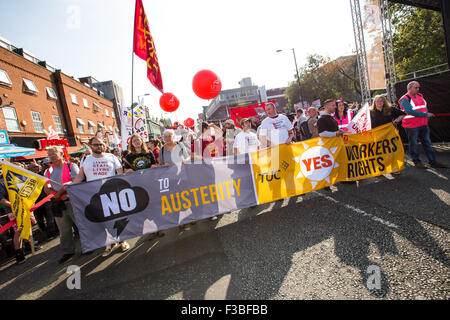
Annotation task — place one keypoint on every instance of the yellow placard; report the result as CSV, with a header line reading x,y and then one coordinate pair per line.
x,y
298,168
23,189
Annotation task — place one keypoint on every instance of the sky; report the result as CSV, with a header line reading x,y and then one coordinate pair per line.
x,y
233,38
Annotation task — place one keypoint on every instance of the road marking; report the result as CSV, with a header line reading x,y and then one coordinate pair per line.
x,y
357,210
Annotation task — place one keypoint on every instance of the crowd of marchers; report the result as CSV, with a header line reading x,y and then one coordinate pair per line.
x,y
331,119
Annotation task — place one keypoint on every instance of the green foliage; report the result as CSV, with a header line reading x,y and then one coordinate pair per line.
x,y
323,79
419,39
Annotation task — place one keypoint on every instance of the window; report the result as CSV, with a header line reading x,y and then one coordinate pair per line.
x,y
91,126
96,107
29,86
106,112
4,79
113,115
51,93
80,125
37,122
58,125
85,102
100,125
11,119
74,98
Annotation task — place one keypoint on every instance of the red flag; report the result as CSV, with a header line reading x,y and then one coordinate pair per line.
x,y
144,47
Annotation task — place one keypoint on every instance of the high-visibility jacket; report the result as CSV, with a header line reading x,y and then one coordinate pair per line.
x,y
346,119
65,176
418,103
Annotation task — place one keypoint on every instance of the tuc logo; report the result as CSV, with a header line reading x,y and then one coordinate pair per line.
x,y
316,163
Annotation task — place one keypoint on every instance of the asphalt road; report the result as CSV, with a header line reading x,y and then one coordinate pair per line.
x,y
322,245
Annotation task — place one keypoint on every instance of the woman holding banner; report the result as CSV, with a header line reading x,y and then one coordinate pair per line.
x,y
382,112
138,157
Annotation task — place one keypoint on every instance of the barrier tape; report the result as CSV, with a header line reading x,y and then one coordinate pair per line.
x,y
37,205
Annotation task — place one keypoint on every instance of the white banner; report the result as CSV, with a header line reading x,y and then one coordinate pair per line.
x,y
139,124
361,122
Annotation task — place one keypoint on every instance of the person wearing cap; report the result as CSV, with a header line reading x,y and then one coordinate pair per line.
x,y
245,141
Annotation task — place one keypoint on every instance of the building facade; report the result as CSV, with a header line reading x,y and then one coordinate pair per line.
x,y
36,96
246,94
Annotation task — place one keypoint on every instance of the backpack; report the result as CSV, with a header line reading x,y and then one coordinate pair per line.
x,y
304,130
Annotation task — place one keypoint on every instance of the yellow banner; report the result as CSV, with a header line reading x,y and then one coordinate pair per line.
x,y
23,189
298,168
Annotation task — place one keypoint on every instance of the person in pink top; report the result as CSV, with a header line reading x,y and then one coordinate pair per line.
x,y
343,115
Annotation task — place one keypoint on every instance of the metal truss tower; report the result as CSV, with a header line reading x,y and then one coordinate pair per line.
x,y
388,49
360,50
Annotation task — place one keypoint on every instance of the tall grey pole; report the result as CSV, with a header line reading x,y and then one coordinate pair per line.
x,y
298,78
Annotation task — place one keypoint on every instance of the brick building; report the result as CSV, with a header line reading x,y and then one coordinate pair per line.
x,y
35,96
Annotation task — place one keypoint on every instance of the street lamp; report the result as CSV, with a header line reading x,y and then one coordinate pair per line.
x,y
298,77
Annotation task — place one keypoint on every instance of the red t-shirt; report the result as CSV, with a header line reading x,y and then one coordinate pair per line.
x,y
156,154
215,147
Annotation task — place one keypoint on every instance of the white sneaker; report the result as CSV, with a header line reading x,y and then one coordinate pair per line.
x,y
125,246
109,249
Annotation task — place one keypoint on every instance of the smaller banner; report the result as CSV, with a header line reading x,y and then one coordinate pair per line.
x,y
315,104
24,187
139,125
257,110
362,121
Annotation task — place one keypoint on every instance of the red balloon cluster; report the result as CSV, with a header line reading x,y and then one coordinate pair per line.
x,y
206,84
189,122
168,102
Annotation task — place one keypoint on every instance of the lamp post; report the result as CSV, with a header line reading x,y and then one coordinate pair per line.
x,y
298,77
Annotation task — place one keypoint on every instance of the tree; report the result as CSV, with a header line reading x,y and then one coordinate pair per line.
x,y
323,79
419,39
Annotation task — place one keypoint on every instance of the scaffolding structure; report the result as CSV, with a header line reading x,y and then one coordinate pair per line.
x,y
360,51
388,50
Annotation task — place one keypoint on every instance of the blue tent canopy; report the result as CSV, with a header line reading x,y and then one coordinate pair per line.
x,y
11,151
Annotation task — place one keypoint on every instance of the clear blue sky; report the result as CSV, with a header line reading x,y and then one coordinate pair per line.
x,y
233,38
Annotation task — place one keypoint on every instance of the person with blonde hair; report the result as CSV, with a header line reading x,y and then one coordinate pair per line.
x,y
138,157
382,112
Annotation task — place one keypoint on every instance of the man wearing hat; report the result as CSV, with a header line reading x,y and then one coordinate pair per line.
x,y
245,141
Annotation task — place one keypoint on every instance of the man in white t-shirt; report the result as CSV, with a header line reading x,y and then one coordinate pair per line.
x,y
100,165
275,129
246,141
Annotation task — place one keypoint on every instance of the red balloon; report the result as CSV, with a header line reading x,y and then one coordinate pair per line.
x,y
206,84
189,122
168,102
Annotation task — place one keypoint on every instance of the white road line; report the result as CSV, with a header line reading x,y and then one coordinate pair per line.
x,y
365,214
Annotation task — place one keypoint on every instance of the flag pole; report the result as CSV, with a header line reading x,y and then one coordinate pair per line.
x,y
132,67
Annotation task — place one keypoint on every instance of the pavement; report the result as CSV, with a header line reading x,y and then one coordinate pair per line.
x,y
381,238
